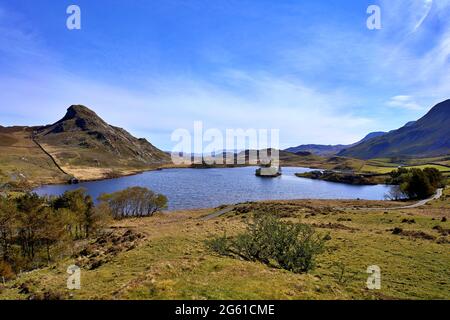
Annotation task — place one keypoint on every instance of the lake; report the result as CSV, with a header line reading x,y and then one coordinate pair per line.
x,y
204,188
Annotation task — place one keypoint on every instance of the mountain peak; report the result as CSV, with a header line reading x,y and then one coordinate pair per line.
x,y
79,117
79,111
82,137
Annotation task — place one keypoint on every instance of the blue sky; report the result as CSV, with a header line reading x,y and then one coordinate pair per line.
x,y
309,68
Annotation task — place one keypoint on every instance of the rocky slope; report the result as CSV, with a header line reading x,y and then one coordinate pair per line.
x,y
80,145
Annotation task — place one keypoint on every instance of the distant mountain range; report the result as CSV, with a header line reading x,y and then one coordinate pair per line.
x,y
329,150
84,146
427,137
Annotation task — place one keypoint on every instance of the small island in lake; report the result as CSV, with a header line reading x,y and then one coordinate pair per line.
x,y
269,171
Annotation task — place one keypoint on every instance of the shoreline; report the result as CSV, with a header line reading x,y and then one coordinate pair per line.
x,y
137,172
374,204
134,173
208,206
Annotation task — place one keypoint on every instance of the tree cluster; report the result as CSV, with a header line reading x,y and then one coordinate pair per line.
x,y
35,230
134,202
414,183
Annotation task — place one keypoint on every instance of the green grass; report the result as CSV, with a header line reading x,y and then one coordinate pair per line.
x,y
385,168
438,167
377,169
174,262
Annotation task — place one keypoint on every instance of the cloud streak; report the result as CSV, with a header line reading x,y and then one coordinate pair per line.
x,y
404,102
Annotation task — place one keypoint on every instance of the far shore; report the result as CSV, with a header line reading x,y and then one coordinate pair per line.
x,y
132,172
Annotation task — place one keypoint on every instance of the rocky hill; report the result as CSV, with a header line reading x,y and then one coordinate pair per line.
x,y
80,145
426,137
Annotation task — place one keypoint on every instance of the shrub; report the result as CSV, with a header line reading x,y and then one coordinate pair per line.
x,y
6,271
435,177
342,273
274,242
219,245
134,202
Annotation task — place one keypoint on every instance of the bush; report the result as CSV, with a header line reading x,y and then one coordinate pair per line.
x,y
274,242
219,245
134,202
6,271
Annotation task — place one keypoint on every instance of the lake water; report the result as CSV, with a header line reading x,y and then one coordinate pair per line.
x,y
202,188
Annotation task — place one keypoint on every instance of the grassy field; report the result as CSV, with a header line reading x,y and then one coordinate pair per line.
x,y
173,262
384,166
376,166
22,159
367,168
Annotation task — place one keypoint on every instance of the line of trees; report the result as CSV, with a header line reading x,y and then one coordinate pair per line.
x,y
414,183
34,229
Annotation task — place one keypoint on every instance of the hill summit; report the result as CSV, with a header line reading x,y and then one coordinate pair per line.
x,y
427,137
81,139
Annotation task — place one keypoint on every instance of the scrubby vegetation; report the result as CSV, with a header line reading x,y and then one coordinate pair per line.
x,y
341,177
35,230
134,202
268,239
165,257
415,183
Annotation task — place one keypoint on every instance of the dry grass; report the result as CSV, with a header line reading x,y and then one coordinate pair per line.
x,y
21,158
174,263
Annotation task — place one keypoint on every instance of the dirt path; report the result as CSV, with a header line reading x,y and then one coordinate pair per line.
x,y
218,213
49,155
436,196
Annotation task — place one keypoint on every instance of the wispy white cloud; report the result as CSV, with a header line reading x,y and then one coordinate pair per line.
x,y
414,48
404,102
423,14
303,114
38,93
